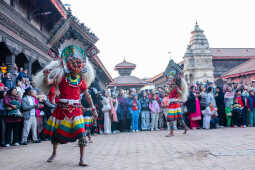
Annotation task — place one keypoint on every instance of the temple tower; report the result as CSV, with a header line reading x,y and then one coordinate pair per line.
x,y
198,65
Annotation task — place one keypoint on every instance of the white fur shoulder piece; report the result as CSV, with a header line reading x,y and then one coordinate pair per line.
x,y
56,72
185,91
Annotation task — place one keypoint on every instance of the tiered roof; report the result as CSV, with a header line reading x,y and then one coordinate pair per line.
x,y
125,79
125,64
125,68
198,39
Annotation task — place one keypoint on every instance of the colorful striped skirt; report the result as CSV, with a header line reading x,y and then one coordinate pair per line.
x,y
63,129
88,122
174,112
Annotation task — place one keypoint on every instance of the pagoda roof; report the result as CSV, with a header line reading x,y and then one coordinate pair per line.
x,y
127,81
241,70
125,64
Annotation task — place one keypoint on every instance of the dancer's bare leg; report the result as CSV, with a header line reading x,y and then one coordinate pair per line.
x,y
171,129
185,126
54,153
82,143
82,150
90,138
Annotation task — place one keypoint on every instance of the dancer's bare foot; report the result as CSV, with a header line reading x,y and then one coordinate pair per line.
x,y
51,158
81,163
185,131
169,135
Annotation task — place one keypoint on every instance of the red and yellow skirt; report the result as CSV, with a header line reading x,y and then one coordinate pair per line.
x,y
88,122
65,125
174,112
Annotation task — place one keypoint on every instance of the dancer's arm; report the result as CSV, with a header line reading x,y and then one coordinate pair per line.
x,y
46,77
89,99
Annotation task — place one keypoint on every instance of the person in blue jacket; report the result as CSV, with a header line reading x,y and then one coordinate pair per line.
x,y
134,109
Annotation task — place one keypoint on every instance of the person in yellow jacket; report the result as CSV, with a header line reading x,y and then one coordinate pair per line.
x,y
3,68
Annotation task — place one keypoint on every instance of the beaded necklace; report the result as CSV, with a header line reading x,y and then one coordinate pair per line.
x,y
73,82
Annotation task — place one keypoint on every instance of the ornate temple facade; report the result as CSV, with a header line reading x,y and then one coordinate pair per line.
x,y
32,31
202,63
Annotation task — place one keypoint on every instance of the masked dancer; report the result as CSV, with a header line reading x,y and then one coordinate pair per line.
x,y
70,76
178,92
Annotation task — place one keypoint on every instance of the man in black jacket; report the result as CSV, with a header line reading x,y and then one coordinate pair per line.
x,y
145,113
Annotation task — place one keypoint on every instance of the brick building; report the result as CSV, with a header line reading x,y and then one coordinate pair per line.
x,y
32,31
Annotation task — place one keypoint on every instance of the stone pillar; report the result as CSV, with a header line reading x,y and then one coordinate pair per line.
x,y
10,60
31,60
15,50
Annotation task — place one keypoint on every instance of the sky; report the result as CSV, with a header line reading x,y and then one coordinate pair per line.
x,y
144,32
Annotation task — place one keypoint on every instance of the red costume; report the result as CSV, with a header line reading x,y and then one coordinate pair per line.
x,y
174,107
66,123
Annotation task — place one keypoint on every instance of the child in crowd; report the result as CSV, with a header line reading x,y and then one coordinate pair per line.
x,y
228,99
236,111
209,113
155,109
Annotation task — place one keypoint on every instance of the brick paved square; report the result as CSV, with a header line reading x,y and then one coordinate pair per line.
x,y
221,149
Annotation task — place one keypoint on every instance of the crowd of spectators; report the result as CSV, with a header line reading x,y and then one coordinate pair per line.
x,y
22,108
207,107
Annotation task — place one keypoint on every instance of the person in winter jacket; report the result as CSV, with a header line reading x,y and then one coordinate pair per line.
x,y
251,108
145,112
155,109
236,110
208,113
164,106
228,99
134,109
241,101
